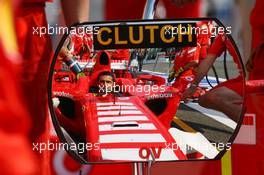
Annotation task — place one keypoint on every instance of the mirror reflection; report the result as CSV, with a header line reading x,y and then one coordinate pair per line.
x,y
119,97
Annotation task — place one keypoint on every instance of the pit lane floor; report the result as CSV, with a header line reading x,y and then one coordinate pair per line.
x,y
213,130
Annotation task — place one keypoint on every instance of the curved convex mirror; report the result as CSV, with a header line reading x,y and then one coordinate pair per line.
x,y
135,91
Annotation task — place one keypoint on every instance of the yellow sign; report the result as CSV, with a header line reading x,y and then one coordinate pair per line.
x,y
145,36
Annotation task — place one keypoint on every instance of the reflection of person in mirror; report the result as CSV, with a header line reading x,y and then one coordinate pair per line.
x,y
105,84
71,61
204,37
105,81
141,56
187,59
183,70
227,96
82,46
77,47
121,55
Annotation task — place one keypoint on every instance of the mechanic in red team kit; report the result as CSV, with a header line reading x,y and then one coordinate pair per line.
x,y
204,37
256,62
187,59
184,67
37,52
120,55
16,151
82,46
79,46
227,96
181,10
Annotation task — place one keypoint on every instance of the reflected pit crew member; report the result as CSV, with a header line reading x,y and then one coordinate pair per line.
x,y
184,64
82,46
187,60
105,78
121,55
141,56
79,46
204,37
71,61
227,96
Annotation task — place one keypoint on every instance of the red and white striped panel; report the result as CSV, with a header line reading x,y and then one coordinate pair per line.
x,y
124,128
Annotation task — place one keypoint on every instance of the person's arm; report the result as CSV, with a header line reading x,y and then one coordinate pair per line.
x,y
75,11
245,7
215,50
204,67
191,64
193,61
202,70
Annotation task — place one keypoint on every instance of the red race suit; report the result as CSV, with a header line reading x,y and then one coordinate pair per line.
x,y
16,151
257,26
36,52
183,57
133,9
